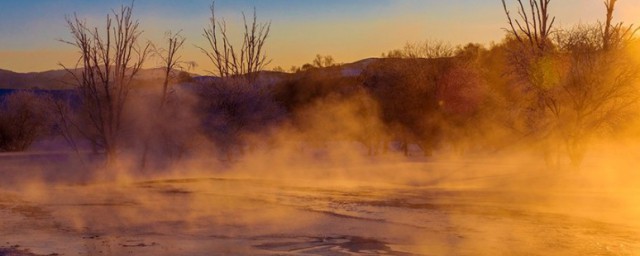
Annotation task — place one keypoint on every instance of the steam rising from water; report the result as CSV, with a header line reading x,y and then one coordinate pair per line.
x,y
309,184
289,191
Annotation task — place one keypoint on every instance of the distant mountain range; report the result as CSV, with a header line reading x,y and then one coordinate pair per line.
x,y
54,79
61,79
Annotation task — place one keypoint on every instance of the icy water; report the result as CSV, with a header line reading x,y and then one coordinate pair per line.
x,y
240,216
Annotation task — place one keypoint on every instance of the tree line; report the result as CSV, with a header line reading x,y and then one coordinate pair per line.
x,y
554,88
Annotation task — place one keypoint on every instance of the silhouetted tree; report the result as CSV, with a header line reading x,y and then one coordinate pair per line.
x,y
614,35
597,92
109,62
323,61
24,117
533,25
406,90
171,61
579,86
236,104
426,94
428,49
230,60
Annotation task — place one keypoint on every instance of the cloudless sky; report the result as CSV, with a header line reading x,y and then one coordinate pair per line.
x,y
349,30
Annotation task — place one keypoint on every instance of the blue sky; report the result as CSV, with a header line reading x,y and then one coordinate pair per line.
x,y
347,29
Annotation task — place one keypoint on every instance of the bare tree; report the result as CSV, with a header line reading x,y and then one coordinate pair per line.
x,y
580,38
599,90
533,25
613,35
170,61
532,61
429,49
234,104
323,61
226,58
109,61
582,85
606,35
598,95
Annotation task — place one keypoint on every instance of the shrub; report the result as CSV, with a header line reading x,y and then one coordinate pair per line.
x,y
23,118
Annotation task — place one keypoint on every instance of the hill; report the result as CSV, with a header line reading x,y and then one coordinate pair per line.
x,y
61,79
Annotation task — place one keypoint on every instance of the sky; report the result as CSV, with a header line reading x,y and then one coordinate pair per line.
x,y
349,30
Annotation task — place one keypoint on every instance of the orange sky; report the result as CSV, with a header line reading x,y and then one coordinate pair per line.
x,y
347,29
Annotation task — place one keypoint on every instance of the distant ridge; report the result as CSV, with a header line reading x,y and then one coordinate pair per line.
x,y
61,79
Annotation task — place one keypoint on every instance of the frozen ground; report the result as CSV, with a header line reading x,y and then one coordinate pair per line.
x,y
451,211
